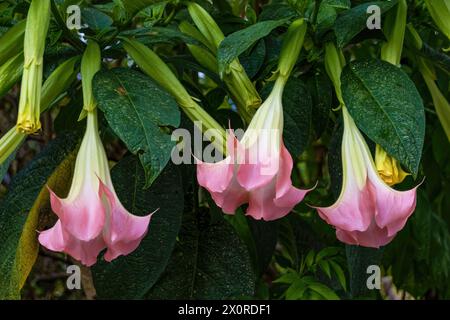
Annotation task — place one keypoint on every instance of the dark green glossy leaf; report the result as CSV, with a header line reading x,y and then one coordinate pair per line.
x,y
353,21
138,110
18,222
130,277
95,19
387,107
236,43
209,262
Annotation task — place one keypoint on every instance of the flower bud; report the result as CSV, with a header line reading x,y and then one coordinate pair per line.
x,y
391,51
292,44
389,169
90,65
440,12
334,63
38,20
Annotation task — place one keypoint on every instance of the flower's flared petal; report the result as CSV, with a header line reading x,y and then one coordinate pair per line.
x,y
256,169
353,211
261,204
216,177
231,198
393,207
83,217
373,237
125,231
286,195
58,239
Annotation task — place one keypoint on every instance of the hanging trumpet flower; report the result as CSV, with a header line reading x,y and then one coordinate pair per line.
x,y
92,218
258,168
368,212
38,20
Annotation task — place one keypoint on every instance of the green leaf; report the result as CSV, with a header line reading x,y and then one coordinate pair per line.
x,y
138,111
20,208
132,276
324,291
325,266
238,42
290,277
353,21
259,236
254,60
209,262
296,290
153,35
309,260
134,6
339,273
327,252
95,19
297,107
386,106
328,11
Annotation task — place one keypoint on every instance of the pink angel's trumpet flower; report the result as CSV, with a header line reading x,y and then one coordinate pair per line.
x,y
92,218
368,212
257,169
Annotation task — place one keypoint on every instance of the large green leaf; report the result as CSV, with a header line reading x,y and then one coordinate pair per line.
x,y
328,12
139,112
353,21
238,42
96,19
259,236
130,277
134,6
209,262
20,208
387,106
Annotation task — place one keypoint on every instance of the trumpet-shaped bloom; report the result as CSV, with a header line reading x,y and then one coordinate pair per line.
x,y
257,169
92,218
368,212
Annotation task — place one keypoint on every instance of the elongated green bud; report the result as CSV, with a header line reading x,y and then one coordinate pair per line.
x,y
292,44
10,73
334,63
151,64
206,24
90,65
395,25
440,12
193,32
58,82
38,20
241,88
11,43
